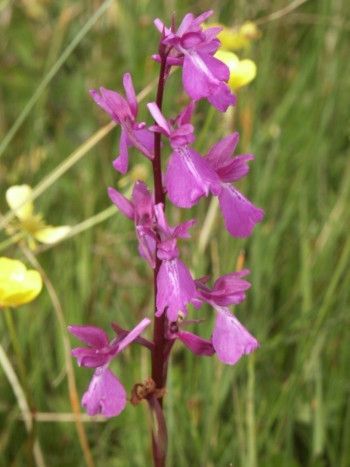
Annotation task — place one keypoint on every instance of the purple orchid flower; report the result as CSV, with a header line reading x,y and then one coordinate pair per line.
x,y
188,175
230,338
240,215
105,394
203,75
175,286
229,289
141,210
124,112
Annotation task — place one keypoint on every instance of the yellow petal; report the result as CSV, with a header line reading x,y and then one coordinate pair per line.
x,y
17,284
243,75
232,40
16,197
49,235
242,72
237,37
250,30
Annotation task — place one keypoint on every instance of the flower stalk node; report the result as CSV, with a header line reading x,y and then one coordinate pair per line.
x,y
145,390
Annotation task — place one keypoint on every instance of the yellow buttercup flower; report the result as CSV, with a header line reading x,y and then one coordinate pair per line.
x,y
239,37
18,285
31,223
242,72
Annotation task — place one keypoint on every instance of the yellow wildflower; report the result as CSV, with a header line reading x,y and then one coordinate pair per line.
x,y
31,223
18,285
238,37
242,72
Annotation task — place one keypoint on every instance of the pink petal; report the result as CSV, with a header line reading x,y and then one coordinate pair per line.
x,y
171,40
222,97
185,24
230,289
162,223
167,249
133,334
119,108
216,67
143,202
220,154
189,177
122,161
182,136
91,335
170,60
158,117
236,169
147,246
182,230
130,93
105,394
97,97
203,17
196,344
209,46
175,288
144,141
161,27
191,39
228,168
91,358
239,213
185,115
197,79
183,130
230,339
122,203
233,281
211,33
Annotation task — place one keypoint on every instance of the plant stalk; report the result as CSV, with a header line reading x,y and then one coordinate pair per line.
x,y
159,354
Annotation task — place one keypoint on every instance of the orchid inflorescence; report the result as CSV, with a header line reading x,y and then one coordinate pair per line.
x,y
189,176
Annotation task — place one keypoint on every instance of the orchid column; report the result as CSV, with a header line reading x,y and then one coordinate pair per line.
x,y
189,176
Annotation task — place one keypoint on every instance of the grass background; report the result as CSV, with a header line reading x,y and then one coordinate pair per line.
x,y
286,405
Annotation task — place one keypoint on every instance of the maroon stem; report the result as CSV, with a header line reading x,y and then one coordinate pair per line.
x,y
159,354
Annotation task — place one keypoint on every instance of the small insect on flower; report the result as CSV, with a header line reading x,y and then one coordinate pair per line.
x,y
32,224
18,285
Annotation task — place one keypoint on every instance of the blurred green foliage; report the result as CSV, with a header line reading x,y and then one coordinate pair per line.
x,y
286,405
